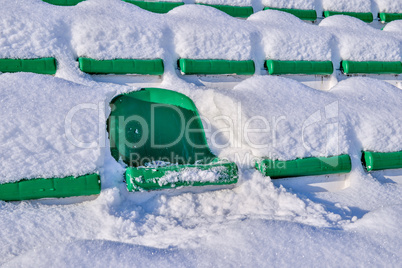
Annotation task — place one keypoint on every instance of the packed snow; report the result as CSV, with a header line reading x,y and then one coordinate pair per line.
x,y
254,223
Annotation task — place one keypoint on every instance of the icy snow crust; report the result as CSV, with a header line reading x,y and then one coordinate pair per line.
x,y
253,224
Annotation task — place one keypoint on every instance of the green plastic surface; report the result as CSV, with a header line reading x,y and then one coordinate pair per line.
x,y
305,167
364,16
50,188
191,66
156,125
39,65
299,67
146,179
234,11
156,7
121,66
63,2
388,17
371,67
379,161
310,15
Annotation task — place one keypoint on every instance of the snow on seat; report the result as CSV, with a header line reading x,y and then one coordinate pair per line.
x,y
364,16
360,9
111,46
63,2
303,9
39,65
290,127
234,11
50,143
159,135
310,15
305,167
292,46
369,105
156,6
121,66
355,39
220,45
380,161
28,43
389,10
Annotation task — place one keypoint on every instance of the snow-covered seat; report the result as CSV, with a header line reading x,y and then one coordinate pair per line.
x,y
360,9
292,47
233,9
304,10
220,45
362,49
156,6
50,144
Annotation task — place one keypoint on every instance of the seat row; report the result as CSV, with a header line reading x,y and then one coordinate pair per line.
x,y
201,67
246,11
194,164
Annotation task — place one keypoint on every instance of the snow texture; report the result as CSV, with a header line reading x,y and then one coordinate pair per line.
x,y
389,6
254,224
193,175
49,128
354,39
347,5
97,32
219,37
285,37
295,4
226,2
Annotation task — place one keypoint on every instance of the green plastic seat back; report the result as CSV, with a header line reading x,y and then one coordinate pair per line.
x,y
156,125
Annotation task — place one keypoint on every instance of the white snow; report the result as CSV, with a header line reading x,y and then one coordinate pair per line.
x,y
49,127
394,26
369,107
285,37
295,4
347,5
226,2
97,32
389,6
219,37
255,223
193,175
354,39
